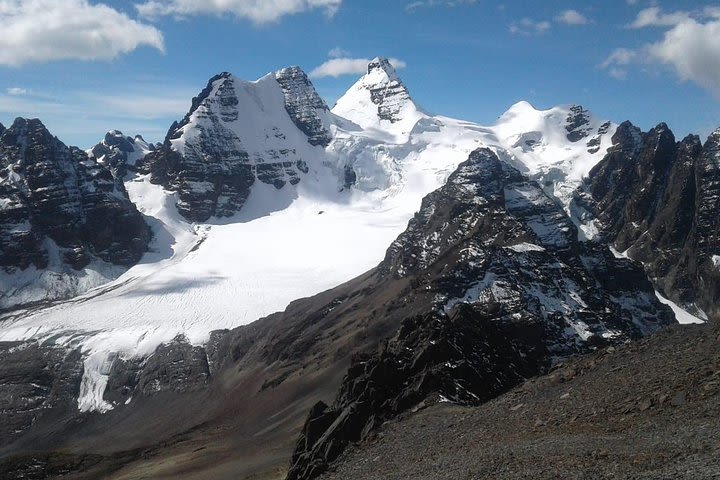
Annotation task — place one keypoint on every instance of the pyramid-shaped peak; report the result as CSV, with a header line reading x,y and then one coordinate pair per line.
x,y
379,96
382,64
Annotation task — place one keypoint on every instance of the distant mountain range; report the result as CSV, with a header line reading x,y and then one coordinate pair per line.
x,y
413,254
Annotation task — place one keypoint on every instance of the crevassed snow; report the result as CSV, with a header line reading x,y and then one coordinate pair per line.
x,y
294,242
681,315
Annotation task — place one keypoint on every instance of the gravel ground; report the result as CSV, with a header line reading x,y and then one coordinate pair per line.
x,y
648,410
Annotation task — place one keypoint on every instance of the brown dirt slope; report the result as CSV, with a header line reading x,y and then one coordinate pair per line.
x,y
648,410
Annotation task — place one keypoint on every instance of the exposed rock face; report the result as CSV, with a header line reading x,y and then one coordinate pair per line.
x,y
577,123
236,133
579,127
35,381
389,93
514,290
657,200
120,153
175,367
45,380
303,103
54,200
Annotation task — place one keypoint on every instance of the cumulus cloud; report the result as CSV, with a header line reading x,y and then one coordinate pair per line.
x,y
413,6
528,26
35,31
692,49
690,46
337,67
572,17
257,11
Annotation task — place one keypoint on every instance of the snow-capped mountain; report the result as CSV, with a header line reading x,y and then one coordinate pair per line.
x,y
380,100
469,247
289,199
66,224
237,133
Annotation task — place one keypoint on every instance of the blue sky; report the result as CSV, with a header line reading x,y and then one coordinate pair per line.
x,y
86,66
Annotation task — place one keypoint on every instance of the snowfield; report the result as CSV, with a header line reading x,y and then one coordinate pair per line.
x,y
297,241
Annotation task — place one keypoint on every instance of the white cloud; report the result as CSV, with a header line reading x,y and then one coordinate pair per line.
x,y
528,26
16,91
654,17
692,50
690,46
36,31
144,107
618,61
412,6
258,11
572,17
337,67
621,57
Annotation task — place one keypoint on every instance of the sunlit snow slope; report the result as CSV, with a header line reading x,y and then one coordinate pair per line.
x,y
301,239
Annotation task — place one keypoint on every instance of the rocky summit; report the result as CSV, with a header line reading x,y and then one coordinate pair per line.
x,y
60,208
654,196
120,153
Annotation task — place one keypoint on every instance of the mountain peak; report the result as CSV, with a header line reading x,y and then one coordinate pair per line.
x,y
379,96
382,64
292,70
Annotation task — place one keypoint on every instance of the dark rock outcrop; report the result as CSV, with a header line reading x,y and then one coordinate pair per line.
x,y
578,124
36,381
657,200
514,292
646,410
303,103
174,367
53,193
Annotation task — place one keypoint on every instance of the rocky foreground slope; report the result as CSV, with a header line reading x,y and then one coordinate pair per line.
x,y
647,410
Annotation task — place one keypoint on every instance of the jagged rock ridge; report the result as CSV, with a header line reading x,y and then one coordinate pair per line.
x,y
120,153
657,201
58,202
